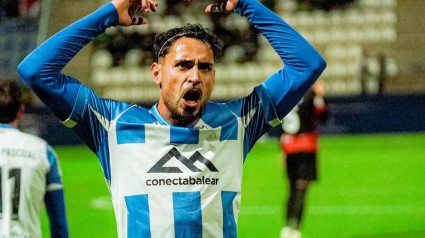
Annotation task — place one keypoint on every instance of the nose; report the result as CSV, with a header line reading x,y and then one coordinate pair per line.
x,y
193,74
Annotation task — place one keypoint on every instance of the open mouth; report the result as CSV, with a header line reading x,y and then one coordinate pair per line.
x,y
192,97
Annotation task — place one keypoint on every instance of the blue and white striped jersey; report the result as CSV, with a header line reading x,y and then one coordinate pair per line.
x,y
169,181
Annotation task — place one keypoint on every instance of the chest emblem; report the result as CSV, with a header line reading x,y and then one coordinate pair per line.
x,y
189,163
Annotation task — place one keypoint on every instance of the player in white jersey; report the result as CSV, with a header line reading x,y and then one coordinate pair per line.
x,y
29,175
174,170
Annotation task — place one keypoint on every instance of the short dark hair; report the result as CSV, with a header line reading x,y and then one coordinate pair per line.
x,y
10,100
163,41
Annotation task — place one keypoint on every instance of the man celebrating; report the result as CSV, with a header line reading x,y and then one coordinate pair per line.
x,y
174,170
29,174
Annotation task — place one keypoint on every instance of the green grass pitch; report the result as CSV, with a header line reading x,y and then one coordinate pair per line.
x,y
369,186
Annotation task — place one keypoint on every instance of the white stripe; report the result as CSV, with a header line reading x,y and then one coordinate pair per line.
x,y
161,216
54,186
103,121
275,122
336,210
247,118
367,210
69,123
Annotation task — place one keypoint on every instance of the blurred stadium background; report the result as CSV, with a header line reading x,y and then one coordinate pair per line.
x,y
375,82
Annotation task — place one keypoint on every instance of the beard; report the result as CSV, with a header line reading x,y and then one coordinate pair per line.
x,y
187,117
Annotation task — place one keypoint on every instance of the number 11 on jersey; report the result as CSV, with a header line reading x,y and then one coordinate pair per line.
x,y
10,187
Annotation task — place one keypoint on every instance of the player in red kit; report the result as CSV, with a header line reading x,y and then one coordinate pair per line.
x,y
299,144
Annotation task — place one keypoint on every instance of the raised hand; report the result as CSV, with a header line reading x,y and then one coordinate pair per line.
x,y
221,6
128,9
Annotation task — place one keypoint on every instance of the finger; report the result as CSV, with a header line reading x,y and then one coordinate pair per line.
x,y
132,9
154,5
144,5
218,7
138,21
208,8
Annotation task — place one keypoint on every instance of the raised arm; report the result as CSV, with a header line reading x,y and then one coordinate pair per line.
x,y
303,64
42,68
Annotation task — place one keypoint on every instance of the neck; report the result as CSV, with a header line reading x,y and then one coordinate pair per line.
x,y
176,120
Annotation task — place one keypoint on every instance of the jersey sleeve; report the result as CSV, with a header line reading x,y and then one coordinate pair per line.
x,y
276,96
55,207
41,69
79,107
91,119
54,198
54,176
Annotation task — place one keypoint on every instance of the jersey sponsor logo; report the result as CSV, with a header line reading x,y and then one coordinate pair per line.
x,y
182,181
189,163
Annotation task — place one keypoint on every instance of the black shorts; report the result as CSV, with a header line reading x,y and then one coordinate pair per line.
x,y
301,166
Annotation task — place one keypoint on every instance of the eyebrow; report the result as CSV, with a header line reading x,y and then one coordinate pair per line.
x,y
192,61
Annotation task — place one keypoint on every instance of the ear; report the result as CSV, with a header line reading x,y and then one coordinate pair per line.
x,y
21,112
156,74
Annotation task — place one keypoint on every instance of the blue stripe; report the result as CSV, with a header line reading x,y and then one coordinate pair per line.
x,y
229,223
53,176
138,224
130,133
259,123
131,125
218,115
187,215
183,135
103,155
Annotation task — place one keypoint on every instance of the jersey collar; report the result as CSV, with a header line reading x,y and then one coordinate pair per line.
x,y
157,116
7,126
